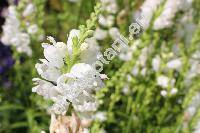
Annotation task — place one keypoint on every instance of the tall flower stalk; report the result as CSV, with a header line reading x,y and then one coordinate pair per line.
x,y
67,79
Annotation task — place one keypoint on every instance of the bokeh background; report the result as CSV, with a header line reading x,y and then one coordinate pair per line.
x,y
132,98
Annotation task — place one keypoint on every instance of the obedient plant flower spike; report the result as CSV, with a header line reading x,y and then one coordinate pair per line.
x,y
85,32
67,77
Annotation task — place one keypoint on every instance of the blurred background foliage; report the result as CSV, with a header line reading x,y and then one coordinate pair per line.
x,y
143,110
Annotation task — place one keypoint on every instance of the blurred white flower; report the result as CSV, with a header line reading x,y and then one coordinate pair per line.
x,y
126,53
193,106
156,63
30,8
185,4
101,116
114,33
100,34
32,29
174,91
135,71
106,21
147,10
163,81
110,6
163,93
12,35
174,64
126,90
171,7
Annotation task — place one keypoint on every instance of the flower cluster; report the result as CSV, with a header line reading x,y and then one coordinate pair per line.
x,y
148,9
12,35
76,86
170,9
107,20
13,32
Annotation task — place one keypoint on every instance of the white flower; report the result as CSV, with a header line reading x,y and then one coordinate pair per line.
x,y
89,55
156,63
143,56
55,53
147,10
46,71
135,71
171,7
30,8
163,93
12,35
60,106
100,34
32,29
143,71
174,91
126,90
45,89
106,21
114,33
110,6
165,19
101,116
185,4
174,64
163,81
77,87
126,53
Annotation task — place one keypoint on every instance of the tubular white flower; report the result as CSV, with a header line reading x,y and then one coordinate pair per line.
x,y
44,88
46,71
55,53
76,87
